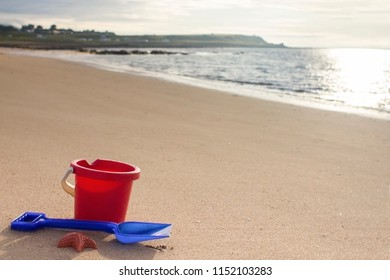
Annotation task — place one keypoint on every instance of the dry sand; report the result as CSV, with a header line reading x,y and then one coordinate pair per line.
x,y
238,178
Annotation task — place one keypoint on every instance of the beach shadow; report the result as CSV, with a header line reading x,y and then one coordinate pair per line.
x,y
42,245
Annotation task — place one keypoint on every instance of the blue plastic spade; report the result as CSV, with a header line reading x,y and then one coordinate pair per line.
x,y
126,232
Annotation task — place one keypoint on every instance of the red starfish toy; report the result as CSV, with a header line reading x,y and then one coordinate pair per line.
x,y
76,240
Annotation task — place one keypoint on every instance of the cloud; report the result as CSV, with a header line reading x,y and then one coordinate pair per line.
x,y
305,18
123,16
108,9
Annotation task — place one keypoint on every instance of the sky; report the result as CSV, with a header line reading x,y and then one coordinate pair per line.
x,y
296,23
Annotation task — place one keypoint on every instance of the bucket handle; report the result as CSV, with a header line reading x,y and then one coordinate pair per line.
x,y
68,187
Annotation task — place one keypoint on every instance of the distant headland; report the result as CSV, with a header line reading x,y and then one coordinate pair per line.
x,y
36,37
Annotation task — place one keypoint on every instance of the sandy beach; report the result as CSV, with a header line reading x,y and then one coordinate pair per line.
x,y
238,178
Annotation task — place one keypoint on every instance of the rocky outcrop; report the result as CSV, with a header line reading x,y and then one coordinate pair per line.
x,y
125,52
166,52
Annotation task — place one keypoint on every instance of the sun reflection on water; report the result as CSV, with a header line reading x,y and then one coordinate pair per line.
x,y
361,77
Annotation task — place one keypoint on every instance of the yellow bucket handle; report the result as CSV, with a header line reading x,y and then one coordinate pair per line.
x,y
68,187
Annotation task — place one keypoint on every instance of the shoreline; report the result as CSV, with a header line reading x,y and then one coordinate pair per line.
x,y
238,178
264,94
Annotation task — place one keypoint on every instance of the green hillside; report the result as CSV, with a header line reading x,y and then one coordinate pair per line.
x,y
30,36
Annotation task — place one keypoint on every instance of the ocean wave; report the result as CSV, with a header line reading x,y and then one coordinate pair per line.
x,y
319,76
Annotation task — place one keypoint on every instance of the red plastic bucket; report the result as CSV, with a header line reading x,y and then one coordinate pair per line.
x,y
102,189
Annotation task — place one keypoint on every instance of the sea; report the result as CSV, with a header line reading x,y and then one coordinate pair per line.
x,y
355,81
